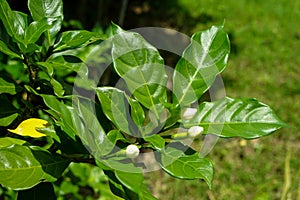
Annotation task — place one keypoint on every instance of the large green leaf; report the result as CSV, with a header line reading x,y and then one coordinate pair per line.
x,y
247,118
36,29
115,107
14,22
7,87
180,165
5,49
52,10
73,39
89,129
141,66
22,167
201,62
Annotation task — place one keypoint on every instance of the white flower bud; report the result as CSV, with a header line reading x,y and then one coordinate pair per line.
x,y
195,131
132,151
188,113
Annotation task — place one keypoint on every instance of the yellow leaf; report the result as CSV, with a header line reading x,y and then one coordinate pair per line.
x,y
28,127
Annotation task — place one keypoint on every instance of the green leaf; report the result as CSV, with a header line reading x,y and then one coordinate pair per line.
x,y
22,167
115,135
7,87
73,39
115,107
57,87
180,165
201,62
137,112
14,22
52,10
66,64
38,192
35,30
157,141
92,134
141,66
246,118
4,49
8,112
65,114
132,181
7,141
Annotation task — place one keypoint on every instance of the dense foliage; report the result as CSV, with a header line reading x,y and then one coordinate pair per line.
x,y
56,110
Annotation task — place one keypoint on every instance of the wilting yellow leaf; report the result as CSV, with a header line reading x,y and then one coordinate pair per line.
x,y
28,127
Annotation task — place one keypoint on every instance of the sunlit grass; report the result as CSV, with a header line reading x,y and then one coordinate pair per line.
x,y
264,64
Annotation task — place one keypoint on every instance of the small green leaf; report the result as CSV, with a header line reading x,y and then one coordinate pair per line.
x,y
157,141
57,87
8,141
4,49
23,168
35,30
73,39
137,112
65,64
8,119
180,165
246,118
7,87
52,10
201,62
141,66
115,107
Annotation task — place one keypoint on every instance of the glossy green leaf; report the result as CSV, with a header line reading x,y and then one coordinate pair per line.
x,y
38,192
115,107
4,49
57,87
14,22
116,135
7,87
63,65
23,168
35,30
73,39
137,112
246,118
180,165
157,141
201,62
90,130
52,10
132,181
8,141
65,114
141,66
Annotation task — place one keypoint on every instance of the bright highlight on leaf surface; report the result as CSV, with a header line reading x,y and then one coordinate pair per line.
x,y
29,128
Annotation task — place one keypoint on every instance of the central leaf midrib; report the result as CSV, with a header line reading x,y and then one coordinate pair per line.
x,y
198,68
143,78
